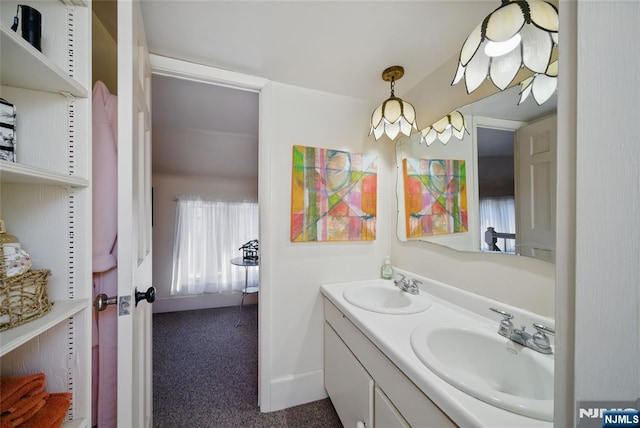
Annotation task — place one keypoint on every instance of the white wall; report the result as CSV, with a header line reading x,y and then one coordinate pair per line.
x,y
165,188
598,292
607,289
519,281
291,366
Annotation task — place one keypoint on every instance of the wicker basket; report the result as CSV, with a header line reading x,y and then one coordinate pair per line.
x,y
22,297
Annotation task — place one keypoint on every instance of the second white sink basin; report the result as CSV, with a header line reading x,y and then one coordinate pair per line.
x,y
489,367
384,297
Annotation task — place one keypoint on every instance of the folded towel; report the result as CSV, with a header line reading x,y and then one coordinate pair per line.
x,y
12,389
53,414
24,409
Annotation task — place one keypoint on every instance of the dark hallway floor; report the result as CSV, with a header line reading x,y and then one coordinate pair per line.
x,y
205,374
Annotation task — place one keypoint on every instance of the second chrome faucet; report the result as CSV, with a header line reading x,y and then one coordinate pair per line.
x,y
539,341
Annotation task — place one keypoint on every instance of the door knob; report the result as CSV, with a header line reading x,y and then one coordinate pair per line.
x,y
102,301
149,295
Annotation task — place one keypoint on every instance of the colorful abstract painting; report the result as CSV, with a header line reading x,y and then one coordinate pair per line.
x,y
435,197
333,195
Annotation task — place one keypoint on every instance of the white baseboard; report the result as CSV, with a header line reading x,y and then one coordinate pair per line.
x,y
297,389
201,301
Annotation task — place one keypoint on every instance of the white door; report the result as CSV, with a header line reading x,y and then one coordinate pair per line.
x,y
536,147
134,220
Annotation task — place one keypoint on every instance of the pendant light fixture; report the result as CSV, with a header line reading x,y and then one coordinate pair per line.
x,y
452,124
540,85
394,115
519,33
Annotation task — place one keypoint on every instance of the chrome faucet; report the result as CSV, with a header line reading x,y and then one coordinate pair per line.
x,y
410,286
539,341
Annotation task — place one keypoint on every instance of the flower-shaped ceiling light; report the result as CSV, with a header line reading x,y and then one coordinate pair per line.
x,y
394,115
518,33
541,85
452,124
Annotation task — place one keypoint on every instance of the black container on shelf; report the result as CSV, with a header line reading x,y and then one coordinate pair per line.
x,y
31,26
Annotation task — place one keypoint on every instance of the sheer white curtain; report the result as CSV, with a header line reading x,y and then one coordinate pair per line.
x,y
499,213
207,236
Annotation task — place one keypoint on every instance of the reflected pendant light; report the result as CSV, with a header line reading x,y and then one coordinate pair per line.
x,y
540,85
452,124
394,115
518,33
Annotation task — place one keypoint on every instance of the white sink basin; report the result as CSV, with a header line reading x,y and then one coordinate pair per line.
x,y
384,297
489,367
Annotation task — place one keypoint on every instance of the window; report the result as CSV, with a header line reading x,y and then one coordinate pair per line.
x,y
207,236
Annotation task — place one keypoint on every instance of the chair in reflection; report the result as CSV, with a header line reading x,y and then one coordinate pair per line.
x,y
491,238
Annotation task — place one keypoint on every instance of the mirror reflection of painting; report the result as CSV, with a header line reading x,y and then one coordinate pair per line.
x,y
435,197
7,131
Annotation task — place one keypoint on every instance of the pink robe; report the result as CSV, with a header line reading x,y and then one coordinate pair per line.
x,y
105,234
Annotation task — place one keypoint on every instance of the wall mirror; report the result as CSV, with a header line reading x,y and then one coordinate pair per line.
x,y
509,174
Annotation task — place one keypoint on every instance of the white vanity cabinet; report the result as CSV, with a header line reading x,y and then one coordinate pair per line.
x,y
45,197
395,400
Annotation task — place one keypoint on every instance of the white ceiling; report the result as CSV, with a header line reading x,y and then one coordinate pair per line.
x,y
333,46
340,47
203,130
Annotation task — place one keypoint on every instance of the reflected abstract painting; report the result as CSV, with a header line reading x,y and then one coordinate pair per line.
x,y
435,197
333,195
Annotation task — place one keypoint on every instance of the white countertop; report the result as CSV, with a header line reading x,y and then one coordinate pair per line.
x,y
391,334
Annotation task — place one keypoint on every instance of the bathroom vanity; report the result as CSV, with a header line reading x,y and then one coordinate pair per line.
x,y
397,360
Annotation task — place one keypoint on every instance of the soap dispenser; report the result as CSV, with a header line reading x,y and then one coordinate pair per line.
x,y
386,271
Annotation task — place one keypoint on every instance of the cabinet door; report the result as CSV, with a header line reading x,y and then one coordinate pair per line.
x,y
386,414
348,384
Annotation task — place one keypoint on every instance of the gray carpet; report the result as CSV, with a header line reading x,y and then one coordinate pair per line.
x,y
205,374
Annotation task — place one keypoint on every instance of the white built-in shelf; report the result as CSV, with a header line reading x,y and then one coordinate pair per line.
x,y
23,66
16,173
76,423
61,310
